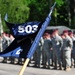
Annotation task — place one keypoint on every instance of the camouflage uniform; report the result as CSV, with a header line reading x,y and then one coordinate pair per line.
x,y
68,44
57,43
73,51
62,53
38,53
0,44
46,47
4,46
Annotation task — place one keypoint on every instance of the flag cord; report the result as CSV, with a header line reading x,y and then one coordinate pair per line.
x,y
24,67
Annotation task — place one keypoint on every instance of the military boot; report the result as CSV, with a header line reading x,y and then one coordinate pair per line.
x,y
68,69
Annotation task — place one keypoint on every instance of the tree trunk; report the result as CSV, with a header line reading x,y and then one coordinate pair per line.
x,y
72,9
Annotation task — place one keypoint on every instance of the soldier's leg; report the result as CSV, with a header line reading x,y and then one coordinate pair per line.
x,y
64,62
20,61
39,58
51,52
74,61
74,57
55,59
48,58
35,65
11,60
68,59
62,57
0,48
4,60
42,55
44,59
59,59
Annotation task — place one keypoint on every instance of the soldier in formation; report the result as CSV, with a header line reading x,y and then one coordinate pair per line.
x,y
53,50
62,48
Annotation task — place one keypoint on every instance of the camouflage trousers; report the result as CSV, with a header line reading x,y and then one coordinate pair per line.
x,y
67,58
57,58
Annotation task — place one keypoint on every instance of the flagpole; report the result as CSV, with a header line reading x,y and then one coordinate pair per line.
x,y
44,25
24,67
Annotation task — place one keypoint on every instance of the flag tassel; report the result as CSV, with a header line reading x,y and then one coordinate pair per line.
x,y
24,67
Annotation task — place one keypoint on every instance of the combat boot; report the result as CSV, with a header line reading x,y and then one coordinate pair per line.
x,y
74,66
68,69
60,67
48,66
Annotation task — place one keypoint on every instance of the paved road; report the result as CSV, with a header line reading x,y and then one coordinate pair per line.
x,y
10,69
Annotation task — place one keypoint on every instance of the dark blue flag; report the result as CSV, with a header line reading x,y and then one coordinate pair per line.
x,y
23,39
27,37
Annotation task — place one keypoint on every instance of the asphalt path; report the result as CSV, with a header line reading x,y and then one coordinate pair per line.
x,y
11,69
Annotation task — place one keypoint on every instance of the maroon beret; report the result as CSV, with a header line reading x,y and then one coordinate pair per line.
x,y
65,31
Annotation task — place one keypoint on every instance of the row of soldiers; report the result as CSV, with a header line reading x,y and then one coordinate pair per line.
x,y
56,49
5,41
53,49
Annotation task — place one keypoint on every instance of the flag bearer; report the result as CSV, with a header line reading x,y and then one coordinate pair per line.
x,y
38,53
46,48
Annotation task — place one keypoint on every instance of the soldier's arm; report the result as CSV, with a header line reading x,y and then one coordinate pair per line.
x,y
50,45
42,41
61,42
70,43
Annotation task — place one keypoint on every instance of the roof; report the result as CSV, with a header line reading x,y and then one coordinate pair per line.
x,y
60,28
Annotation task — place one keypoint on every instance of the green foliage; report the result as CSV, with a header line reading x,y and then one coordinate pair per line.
x,y
39,9
17,10
20,11
59,2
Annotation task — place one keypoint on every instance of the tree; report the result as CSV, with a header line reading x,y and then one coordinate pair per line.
x,y
20,11
39,9
72,10
17,10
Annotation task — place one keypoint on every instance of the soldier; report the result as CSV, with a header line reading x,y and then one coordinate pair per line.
x,y
38,53
73,49
62,52
57,45
46,47
12,59
68,44
43,56
51,51
0,44
4,45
